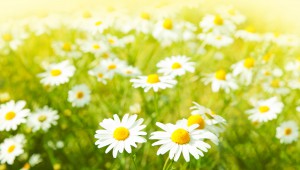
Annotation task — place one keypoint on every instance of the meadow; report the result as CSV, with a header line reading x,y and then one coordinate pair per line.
x,y
188,90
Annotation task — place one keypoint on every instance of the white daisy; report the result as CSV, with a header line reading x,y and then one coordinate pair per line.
x,y
276,86
101,74
130,71
98,48
66,49
232,14
113,66
215,39
244,69
217,23
287,132
12,114
42,118
182,139
176,66
79,95
11,148
58,73
207,119
153,81
143,23
248,34
265,110
120,134
220,80
166,32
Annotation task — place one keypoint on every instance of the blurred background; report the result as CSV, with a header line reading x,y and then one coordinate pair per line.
x,y
273,15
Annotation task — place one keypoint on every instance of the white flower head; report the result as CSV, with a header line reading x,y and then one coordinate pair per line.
x,y
120,134
79,95
287,132
11,148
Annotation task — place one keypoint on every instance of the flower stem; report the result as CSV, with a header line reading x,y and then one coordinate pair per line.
x,y
166,163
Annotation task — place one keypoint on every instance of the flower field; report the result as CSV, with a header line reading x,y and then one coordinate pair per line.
x,y
193,88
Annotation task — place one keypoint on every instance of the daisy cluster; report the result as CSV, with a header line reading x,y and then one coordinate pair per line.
x,y
92,58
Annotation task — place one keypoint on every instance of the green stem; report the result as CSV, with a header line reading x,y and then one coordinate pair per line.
x,y
133,160
166,163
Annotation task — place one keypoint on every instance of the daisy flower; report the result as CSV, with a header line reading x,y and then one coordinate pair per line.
x,y
12,114
166,32
120,134
42,118
182,139
130,71
265,110
57,73
113,66
101,74
66,49
153,81
232,14
244,69
287,132
276,86
248,34
96,26
97,48
79,95
216,40
217,23
206,118
11,148
176,66
33,161
143,23
220,80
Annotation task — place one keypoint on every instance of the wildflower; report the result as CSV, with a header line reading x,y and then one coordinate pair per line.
x,y
287,132
11,148
79,95
120,134
12,114
57,73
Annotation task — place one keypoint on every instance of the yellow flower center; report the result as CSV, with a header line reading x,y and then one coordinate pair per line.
x,y
111,41
153,78
7,37
121,133
263,109
196,119
66,47
220,75
176,65
112,67
267,57
168,24
86,14
42,118
11,148
287,131
79,95
98,23
26,166
218,20
96,46
145,16
10,115
55,72
249,62
100,75
105,55
180,136
275,83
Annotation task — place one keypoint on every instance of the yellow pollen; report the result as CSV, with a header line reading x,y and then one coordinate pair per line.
x,y
10,115
112,67
121,133
275,83
79,95
42,118
168,24
153,78
287,131
176,65
263,109
249,62
100,75
180,136
220,75
98,23
196,119
55,72
96,46
86,14
66,47
26,166
7,37
218,20
145,16
11,148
